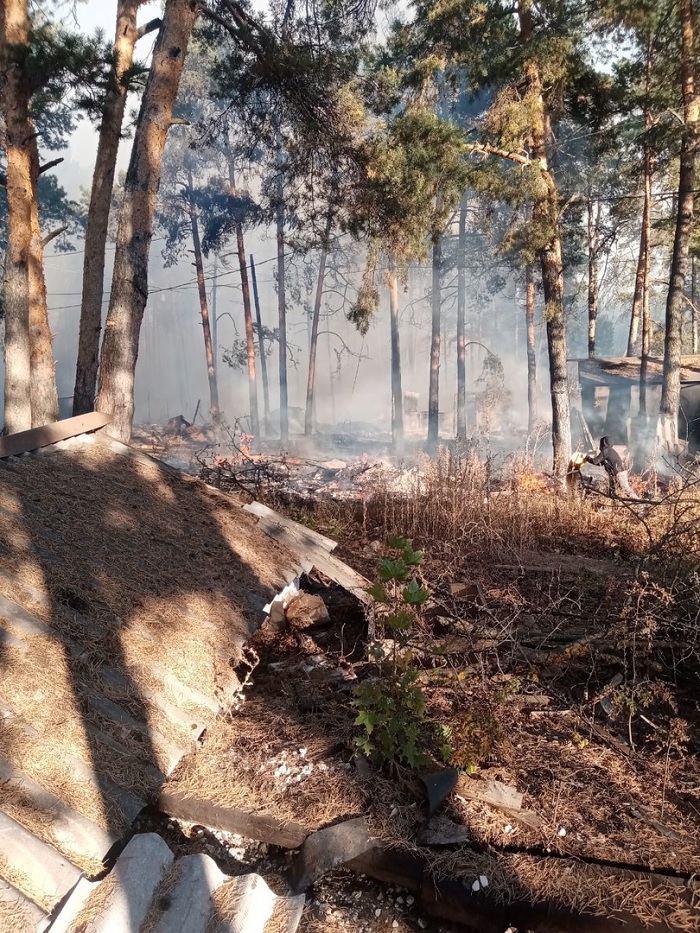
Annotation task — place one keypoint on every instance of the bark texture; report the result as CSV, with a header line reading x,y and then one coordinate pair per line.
x,y
593,286
671,389
545,215
434,385
14,97
461,318
31,398
282,314
204,306
129,291
249,334
247,319
313,342
261,346
98,213
642,274
645,254
396,388
531,350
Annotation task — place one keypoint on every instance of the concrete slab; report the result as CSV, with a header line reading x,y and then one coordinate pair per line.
x,y
70,830
22,906
132,884
48,872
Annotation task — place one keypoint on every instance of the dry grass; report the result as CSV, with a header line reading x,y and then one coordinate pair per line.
x,y
149,587
234,769
571,884
170,878
230,897
15,917
24,883
96,902
616,579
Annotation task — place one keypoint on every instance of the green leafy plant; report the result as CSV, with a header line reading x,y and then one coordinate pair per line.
x,y
391,711
391,707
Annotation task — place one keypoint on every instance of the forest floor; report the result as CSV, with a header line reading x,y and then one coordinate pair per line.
x,y
558,656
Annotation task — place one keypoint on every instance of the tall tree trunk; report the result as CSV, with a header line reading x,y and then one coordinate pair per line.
x,y
593,220
461,316
396,389
249,334
282,311
313,342
247,318
261,346
694,316
203,306
545,215
671,388
642,273
130,277
646,273
31,398
14,97
531,351
44,394
434,385
125,39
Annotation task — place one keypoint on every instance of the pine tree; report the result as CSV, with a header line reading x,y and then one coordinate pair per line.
x,y
120,81
129,291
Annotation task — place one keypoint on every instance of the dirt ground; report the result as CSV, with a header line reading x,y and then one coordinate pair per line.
x,y
558,645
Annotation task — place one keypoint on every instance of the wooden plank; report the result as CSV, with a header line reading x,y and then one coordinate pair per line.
x,y
313,537
23,441
310,552
259,826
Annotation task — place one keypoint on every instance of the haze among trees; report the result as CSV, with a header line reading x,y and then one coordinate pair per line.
x,y
547,150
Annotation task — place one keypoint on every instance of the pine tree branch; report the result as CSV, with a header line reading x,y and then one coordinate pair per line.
x,y
49,165
488,149
150,26
42,169
52,236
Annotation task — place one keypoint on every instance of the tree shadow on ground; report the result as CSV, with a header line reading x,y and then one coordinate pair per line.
x,y
144,590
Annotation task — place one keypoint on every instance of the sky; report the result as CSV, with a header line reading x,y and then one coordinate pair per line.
x,y
92,15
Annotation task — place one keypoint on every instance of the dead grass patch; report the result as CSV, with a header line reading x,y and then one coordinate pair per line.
x,y
24,883
576,886
15,917
96,902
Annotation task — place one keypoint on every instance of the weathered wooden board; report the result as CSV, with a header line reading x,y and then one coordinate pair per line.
x,y
23,441
260,826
